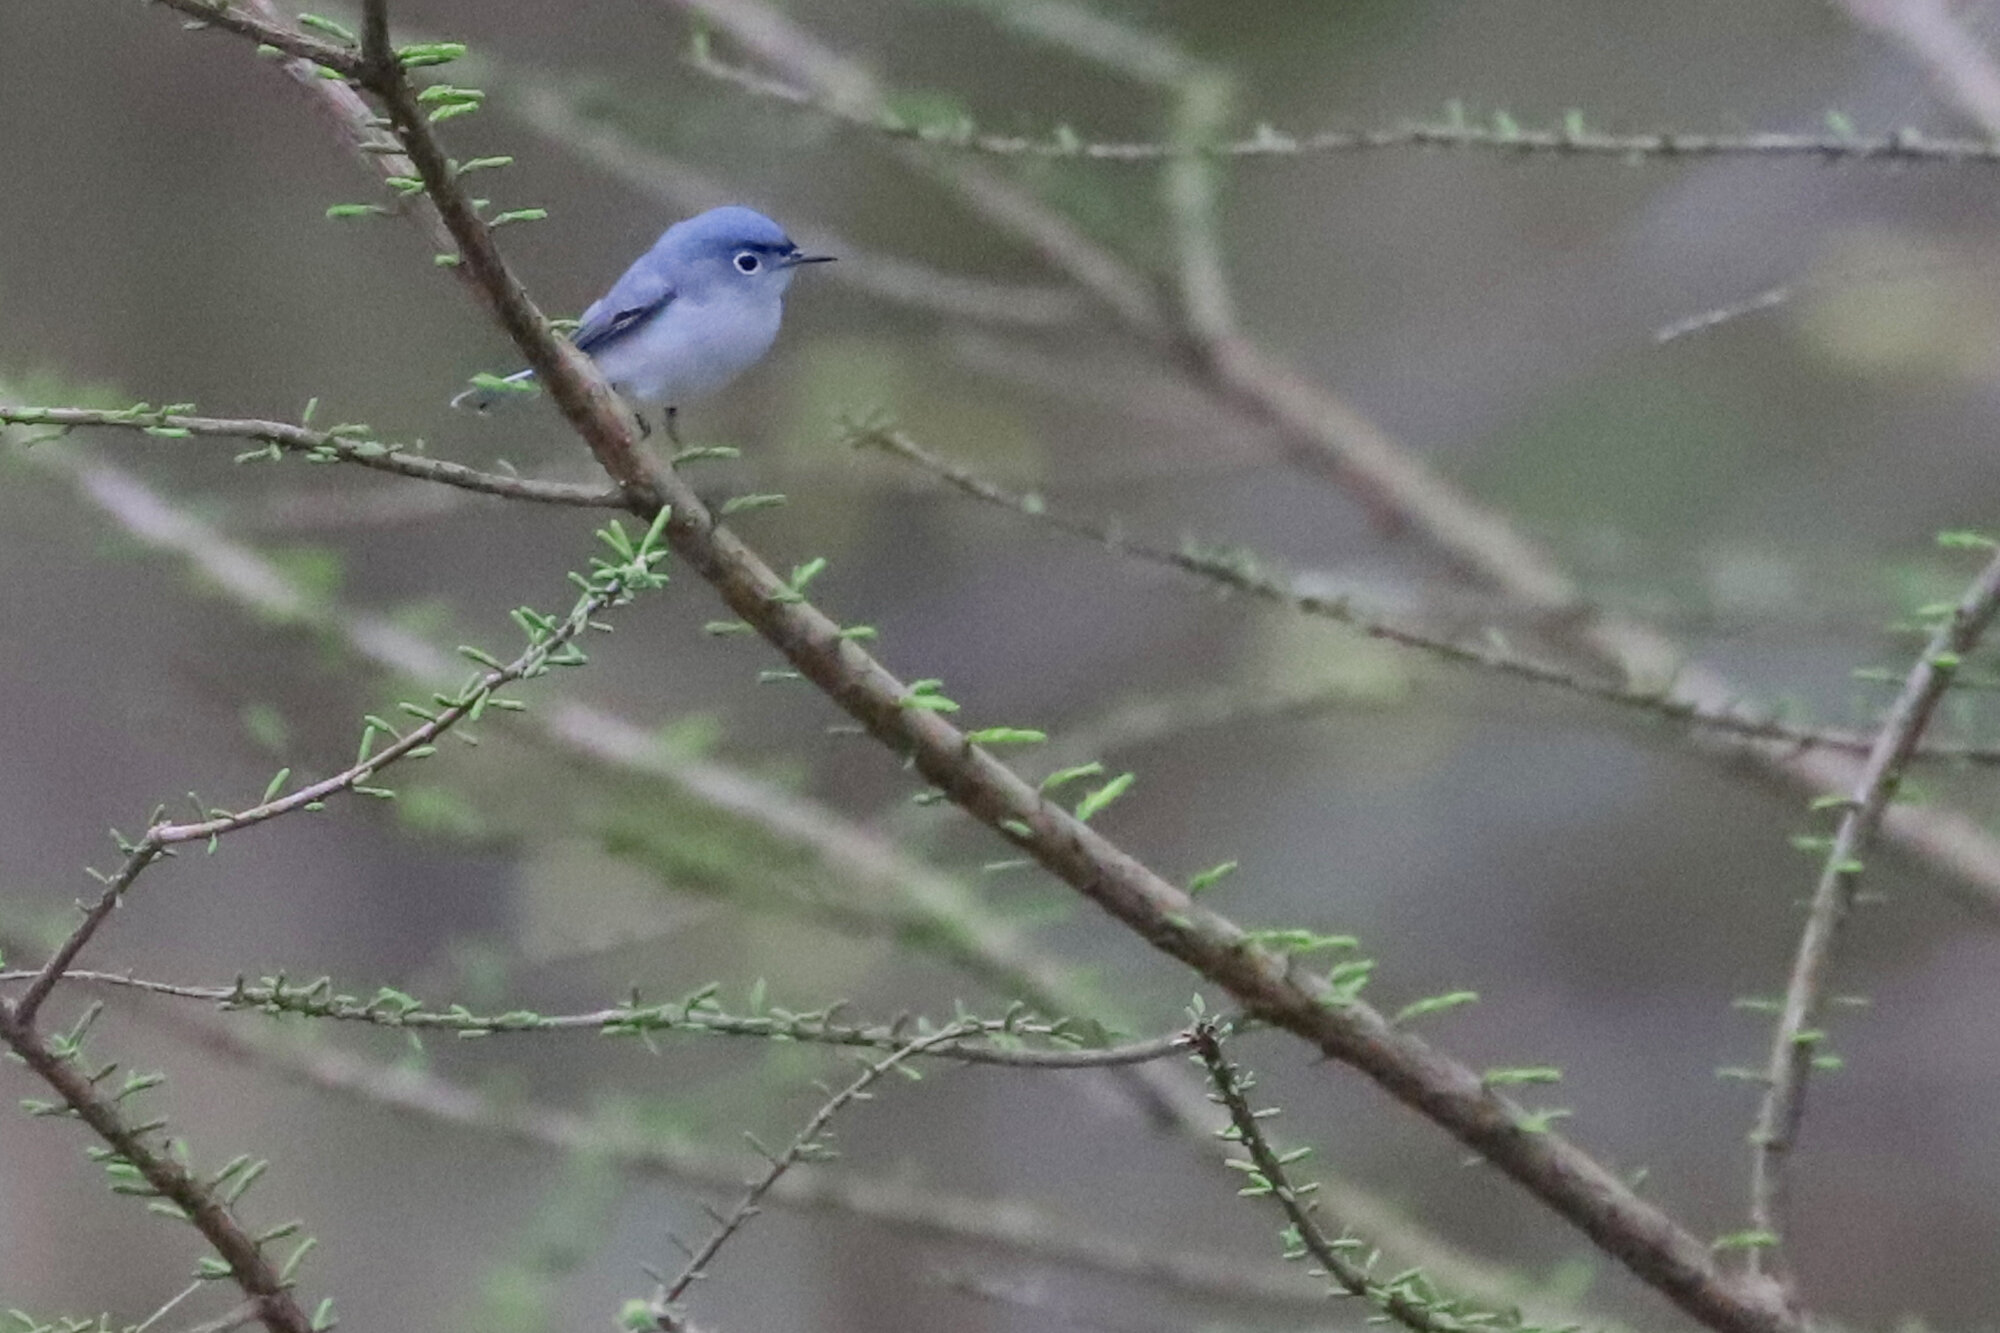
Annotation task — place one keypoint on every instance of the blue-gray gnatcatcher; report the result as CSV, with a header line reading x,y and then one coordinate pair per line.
x,y
697,310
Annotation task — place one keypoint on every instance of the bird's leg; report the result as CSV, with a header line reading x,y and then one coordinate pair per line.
x,y
673,430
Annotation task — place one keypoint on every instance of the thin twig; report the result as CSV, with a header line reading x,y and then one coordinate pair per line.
x,y
172,1304
1572,139
268,31
1405,1299
339,445
808,1145
94,917
393,1010
1241,572
146,1151
1797,1042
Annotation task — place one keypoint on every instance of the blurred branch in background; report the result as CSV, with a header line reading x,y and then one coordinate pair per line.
x,y
1938,39
808,1145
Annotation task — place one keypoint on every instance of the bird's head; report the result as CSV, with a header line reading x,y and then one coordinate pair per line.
x,y
735,249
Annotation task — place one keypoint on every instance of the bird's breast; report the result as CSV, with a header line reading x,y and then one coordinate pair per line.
x,y
690,349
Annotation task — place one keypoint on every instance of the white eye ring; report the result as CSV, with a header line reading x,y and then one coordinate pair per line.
x,y
747,262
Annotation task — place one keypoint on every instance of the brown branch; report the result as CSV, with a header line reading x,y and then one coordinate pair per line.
x,y
1797,1042
345,447
94,917
269,31
147,1153
1268,985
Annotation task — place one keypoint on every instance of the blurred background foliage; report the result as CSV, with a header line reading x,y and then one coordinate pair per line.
x,y
1767,490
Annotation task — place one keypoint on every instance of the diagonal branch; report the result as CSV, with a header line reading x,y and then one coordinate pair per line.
x,y
1796,1044
94,917
266,30
808,1145
1240,572
1402,1299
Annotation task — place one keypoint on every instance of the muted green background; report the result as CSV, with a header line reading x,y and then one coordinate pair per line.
x,y
1771,489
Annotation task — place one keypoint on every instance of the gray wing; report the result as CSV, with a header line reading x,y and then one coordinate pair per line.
x,y
642,292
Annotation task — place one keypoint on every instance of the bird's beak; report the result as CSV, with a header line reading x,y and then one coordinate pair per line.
x,y
794,260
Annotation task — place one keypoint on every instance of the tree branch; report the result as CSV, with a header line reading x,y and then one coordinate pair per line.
x,y
1797,1042
1572,139
1241,572
808,1145
1404,1299
343,445
145,1152
977,1044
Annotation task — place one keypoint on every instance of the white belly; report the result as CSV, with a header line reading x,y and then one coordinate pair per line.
x,y
689,350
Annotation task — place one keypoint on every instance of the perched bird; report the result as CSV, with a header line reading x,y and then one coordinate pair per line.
x,y
694,312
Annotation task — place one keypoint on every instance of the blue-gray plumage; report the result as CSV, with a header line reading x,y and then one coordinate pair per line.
x,y
697,310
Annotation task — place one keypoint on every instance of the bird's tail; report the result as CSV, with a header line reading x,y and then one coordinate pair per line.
x,y
490,390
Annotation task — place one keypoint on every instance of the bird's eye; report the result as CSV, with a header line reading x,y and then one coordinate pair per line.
x,y
747,262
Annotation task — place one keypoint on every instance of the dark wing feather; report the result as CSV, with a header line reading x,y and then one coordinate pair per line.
x,y
635,297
